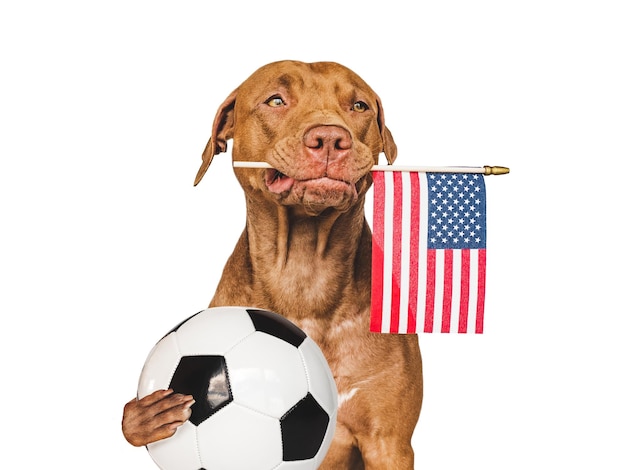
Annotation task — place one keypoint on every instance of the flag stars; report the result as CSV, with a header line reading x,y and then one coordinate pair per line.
x,y
456,208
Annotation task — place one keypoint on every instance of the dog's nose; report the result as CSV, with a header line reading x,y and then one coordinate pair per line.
x,y
328,142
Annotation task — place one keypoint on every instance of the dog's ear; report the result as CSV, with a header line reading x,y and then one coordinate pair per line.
x,y
223,126
389,146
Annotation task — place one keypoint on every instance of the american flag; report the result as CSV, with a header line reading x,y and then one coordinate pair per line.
x,y
428,252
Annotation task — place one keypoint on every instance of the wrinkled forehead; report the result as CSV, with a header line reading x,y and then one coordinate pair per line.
x,y
290,76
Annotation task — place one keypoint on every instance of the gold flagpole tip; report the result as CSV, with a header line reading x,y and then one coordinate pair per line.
x,y
495,170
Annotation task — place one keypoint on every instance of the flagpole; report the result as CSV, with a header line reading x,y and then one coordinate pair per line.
x,y
485,170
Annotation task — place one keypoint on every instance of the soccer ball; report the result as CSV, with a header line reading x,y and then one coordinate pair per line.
x,y
265,397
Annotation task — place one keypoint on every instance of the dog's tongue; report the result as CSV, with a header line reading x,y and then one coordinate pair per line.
x,y
277,182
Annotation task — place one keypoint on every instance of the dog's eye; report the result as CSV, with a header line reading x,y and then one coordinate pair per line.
x,y
275,101
360,107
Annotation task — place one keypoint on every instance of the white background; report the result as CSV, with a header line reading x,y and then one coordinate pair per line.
x,y
105,108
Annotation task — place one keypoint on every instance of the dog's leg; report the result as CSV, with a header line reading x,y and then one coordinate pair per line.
x,y
393,453
388,406
343,453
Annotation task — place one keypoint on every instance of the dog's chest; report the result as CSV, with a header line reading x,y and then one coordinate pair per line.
x,y
308,285
338,340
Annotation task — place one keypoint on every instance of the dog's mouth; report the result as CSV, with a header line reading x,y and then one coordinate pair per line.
x,y
315,194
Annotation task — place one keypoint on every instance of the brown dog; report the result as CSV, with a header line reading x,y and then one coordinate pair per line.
x,y
306,251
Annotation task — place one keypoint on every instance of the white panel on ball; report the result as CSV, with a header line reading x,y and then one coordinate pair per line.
x,y
321,381
180,453
214,331
266,374
238,438
300,465
159,367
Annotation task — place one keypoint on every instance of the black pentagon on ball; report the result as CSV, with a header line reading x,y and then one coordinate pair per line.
x,y
303,428
276,325
206,378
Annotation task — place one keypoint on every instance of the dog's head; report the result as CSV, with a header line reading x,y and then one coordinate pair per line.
x,y
319,126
